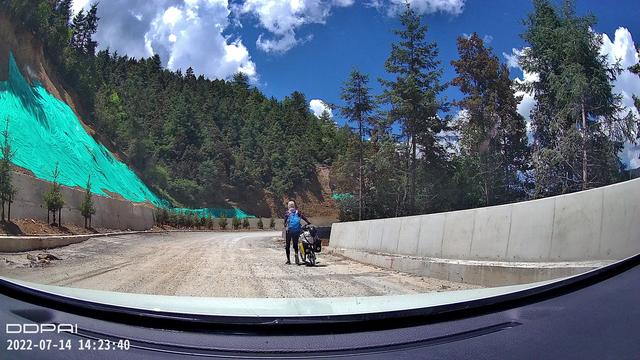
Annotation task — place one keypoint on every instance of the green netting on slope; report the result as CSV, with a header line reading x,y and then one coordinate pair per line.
x,y
344,196
44,131
216,213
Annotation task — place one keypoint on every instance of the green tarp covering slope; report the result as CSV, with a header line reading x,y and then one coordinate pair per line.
x,y
344,196
43,131
215,213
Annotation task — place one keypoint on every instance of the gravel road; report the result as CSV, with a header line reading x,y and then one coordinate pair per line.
x,y
222,264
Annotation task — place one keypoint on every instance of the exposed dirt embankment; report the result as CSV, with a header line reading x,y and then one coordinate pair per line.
x,y
314,200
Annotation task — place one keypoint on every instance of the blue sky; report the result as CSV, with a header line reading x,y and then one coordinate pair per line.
x,y
311,45
361,36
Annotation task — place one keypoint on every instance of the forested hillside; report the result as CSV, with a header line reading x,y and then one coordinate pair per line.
x,y
192,138
196,142
204,143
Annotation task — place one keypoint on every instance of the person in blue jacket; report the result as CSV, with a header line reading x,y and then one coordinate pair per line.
x,y
293,228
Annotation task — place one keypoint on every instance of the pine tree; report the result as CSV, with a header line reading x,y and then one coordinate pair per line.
x,y
245,223
577,129
272,223
235,222
636,100
359,105
413,95
493,134
85,25
7,189
161,217
222,222
87,209
53,199
260,224
241,79
60,35
385,178
172,219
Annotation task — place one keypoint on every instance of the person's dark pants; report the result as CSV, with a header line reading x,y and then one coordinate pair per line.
x,y
291,235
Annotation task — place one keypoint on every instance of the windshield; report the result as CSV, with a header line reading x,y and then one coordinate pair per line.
x,y
237,157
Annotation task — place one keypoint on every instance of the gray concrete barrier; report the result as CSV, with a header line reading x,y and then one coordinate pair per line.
x,y
110,213
483,273
598,224
27,243
9,244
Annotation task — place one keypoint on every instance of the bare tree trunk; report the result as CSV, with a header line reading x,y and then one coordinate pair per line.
x,y
486,191
412,191
9,211
48,217
2,210
584,148
54,216
60,217
85,222
405,186
360,169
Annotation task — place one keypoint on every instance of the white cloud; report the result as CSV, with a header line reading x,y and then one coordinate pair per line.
x,y
629,155
487,39
185,33
528,102
394,7
140,28
171,16
343,3
450,140
78,5
623,51
512,59
282,18
138,16
620,50
281,45
197,41
318,106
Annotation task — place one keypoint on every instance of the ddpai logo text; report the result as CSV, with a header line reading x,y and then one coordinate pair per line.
x,y
41,328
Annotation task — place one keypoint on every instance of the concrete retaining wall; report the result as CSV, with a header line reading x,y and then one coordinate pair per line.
x,y
483,273
12,244
28,243
110,213
598,224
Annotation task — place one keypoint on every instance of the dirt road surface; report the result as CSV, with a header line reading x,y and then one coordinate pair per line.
x,y
223,264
